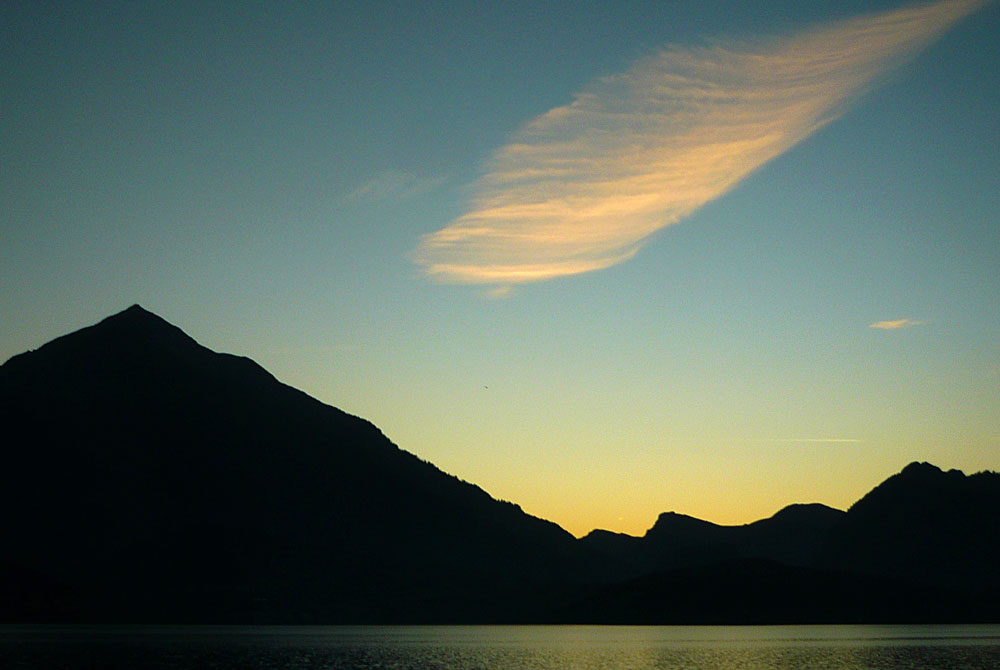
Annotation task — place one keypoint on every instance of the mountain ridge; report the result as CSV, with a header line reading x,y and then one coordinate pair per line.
x,y
157,480
175,446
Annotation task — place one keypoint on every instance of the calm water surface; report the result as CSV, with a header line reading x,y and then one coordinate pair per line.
x,y
504,647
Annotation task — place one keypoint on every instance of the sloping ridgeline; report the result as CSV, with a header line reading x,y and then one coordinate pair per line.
x,y
923,546
146,478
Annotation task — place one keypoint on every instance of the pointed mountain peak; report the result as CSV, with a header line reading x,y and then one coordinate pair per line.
x,y
806,509
136,315
921,469
124,338
135,310
807,512
135,328
925,487
672,522
799,518
922,474
677,517
927,472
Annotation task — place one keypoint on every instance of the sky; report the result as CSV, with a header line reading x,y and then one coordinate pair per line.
x,y
603,259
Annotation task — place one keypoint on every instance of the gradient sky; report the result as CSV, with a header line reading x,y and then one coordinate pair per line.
x,y
603,259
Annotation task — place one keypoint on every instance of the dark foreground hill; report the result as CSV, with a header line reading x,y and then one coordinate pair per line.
x,y
922,546
760,591
922,524
925,525
146,478
794,536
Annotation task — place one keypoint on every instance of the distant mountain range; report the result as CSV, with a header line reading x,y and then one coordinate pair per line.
x,y
146,478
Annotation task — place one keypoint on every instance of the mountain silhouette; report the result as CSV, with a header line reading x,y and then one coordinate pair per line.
x,y
147,478
924,524
922,546
761,591
794,536
155,478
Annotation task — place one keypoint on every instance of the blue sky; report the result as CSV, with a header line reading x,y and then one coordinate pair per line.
x,y
277,179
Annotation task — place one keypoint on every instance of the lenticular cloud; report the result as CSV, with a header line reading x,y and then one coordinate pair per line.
x,y
581,187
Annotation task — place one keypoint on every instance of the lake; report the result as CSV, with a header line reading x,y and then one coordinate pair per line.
x,y
503,647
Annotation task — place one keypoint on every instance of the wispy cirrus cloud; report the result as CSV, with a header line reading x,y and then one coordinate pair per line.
x,y
583,186
894,324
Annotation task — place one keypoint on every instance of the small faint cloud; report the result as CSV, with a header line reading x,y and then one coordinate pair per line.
x,y
393,185
500,292
583,186
810,440
895,324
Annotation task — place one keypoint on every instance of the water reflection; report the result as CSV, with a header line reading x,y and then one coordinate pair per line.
x,y
505,648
